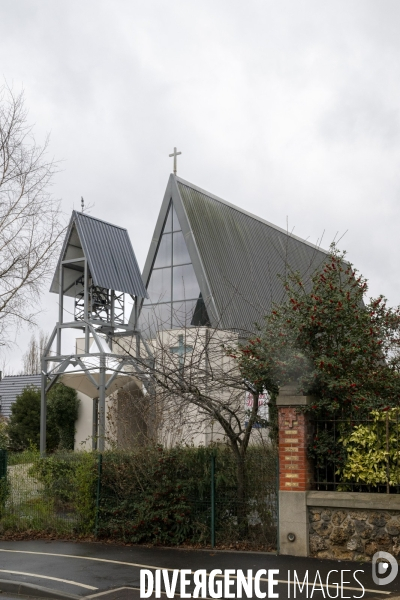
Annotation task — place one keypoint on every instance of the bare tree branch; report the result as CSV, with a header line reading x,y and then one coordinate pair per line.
x,y
33,356
30,224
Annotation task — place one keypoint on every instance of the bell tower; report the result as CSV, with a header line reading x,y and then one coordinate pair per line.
x,y
97,267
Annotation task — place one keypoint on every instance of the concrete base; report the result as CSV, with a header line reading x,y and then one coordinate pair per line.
x,y
354,500
293,518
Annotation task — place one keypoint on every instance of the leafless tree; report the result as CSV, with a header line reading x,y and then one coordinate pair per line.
x,y
33,356
196,393
30,224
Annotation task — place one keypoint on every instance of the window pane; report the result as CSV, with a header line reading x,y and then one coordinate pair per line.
x,y
154,318
185,284
180,254
163,258
168,221
175,223
200,316
159,288
182,313
145,323
162,316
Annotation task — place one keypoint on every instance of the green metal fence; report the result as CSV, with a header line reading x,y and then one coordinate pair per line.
x,y
3,464
178,496
190,496
41,494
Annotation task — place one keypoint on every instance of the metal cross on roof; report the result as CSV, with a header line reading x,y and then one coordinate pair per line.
x,y
175,154
181,350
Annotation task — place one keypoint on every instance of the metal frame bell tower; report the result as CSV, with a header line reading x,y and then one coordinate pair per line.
x,y
97,268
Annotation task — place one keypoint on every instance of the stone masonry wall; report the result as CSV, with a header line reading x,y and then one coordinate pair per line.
x,y
353,534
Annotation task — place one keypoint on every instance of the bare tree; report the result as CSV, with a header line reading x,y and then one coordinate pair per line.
x,y
196,393
30,226
33,356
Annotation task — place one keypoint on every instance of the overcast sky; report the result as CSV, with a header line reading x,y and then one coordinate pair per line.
x,y
288,109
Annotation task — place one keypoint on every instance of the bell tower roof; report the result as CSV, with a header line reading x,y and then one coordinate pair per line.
x,y
109,254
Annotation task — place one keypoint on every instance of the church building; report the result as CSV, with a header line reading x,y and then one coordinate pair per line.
x,y
210,265
213,263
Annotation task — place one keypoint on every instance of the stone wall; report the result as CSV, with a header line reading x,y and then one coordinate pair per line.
x,y
348,534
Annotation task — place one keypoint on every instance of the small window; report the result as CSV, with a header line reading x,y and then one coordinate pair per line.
x,y
200,315
175,223
182,313
154,318
180,251
168,221
185,284
164,252
159,288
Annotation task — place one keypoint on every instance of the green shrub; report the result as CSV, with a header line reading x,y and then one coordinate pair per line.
x,y
152,495
163,496
63,406
369,460
4,493
4,437
25,457
69,483
62,412
24,424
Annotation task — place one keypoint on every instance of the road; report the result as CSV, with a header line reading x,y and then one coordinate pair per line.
x,y
112,572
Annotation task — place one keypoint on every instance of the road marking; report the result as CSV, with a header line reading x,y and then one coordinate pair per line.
x,y
107,560
108,592
88,587
119,562
111,591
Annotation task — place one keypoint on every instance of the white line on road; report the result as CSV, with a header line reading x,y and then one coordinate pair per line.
x,y
107,560
88,587
129,564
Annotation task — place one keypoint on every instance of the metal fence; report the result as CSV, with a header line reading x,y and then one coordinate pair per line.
x,y
179,496
189,496
41,494
357,452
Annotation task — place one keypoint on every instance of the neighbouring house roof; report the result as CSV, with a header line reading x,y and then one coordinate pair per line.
x,y
109,252
11,386
237,256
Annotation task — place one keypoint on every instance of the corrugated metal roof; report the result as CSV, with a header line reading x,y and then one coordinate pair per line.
x,y
243,256
108,249
11,386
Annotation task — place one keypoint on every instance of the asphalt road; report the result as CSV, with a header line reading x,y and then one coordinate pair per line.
x,y
92,570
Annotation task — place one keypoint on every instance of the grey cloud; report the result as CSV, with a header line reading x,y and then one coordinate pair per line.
x,y
287,108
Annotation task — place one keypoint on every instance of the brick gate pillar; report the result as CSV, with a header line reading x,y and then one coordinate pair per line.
x,y
295,472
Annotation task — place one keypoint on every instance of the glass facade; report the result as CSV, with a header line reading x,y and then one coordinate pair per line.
x,y
174,294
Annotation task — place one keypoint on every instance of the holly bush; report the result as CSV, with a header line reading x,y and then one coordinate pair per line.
x,y
339,348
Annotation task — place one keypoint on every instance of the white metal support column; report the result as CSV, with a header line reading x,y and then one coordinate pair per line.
x,y
95,424
102,405
60,307
86,304
43,409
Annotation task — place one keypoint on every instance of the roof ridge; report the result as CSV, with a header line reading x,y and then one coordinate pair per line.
x,y
22,375
245,212
80,215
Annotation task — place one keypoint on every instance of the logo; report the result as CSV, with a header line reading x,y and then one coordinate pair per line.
x,y
383,566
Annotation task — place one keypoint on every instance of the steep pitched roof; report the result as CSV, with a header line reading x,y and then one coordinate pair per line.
x,y
108,249
237,256
12,386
